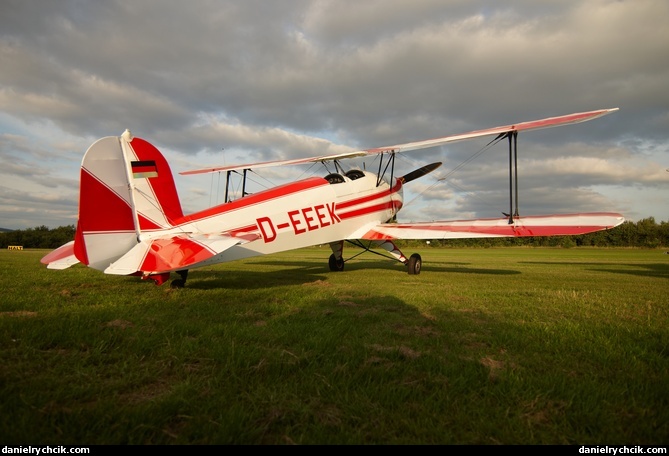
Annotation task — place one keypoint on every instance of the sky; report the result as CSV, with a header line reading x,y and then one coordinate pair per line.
x,y
225,82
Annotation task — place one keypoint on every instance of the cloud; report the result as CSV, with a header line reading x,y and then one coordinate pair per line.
x,y
257,80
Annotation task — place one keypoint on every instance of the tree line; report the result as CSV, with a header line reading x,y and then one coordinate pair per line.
x,y
646,233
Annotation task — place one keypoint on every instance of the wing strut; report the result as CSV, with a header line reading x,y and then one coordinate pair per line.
x,y
513,174
227,183
391,161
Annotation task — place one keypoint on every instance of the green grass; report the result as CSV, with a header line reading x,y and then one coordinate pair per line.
x,y
485,346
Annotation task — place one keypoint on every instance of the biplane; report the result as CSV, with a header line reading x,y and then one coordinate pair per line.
x,y
130,219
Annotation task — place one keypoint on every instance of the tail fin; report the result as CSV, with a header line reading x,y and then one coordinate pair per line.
x,y
126,188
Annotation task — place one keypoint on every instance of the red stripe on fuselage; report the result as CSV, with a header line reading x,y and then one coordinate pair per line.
x,y
396,205
389,204
248,233
372,197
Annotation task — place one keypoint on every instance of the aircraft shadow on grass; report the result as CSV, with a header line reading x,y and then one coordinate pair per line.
x,y
659,270
248,280
391,265
301,272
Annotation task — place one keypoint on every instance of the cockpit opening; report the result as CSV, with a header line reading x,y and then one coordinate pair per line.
x,y
355,174
335,178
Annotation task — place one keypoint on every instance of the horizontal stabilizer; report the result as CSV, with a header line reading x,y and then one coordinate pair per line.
x,y
61,258
541,225
171,253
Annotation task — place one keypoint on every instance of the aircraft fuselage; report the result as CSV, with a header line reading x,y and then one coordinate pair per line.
x,y
300,214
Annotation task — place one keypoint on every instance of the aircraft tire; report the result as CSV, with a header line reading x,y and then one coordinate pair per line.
x,y
336,265
414,264
178,283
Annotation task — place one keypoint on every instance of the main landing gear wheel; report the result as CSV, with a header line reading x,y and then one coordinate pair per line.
x,y
336,264
414,264
180,283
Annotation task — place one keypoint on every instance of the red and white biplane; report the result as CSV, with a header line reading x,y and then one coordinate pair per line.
x,y
131,221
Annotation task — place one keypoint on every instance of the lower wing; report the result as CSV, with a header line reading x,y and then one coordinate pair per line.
x,y
541,225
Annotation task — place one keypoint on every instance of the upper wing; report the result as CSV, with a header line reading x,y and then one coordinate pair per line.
x,y
523,126
295,161
542,225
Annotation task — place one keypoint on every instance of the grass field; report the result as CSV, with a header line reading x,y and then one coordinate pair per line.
x,y
485,346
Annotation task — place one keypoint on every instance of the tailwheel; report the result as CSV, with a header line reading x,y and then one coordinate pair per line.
x,y
336,264
180,283
414,264
157,279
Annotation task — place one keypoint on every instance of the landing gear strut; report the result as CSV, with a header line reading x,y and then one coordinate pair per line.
x,y
336,262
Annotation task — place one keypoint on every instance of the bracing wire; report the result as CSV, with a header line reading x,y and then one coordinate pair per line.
x,y
218,187
211,188
444,178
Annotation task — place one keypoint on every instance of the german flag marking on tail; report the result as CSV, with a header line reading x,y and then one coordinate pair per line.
x,y
144,169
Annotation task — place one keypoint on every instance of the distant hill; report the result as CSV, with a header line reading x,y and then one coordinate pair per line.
x,y
4,230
